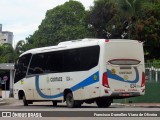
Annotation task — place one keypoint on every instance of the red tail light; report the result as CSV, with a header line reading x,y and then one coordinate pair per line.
x,y
143,79
105,80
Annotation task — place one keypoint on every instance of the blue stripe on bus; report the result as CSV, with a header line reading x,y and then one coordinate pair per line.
x,y
42,94
117,77
88,81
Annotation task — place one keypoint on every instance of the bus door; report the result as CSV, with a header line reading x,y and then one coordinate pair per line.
x,y
43,87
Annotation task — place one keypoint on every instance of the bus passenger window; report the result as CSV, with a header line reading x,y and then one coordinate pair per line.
x,y
37,65
21,67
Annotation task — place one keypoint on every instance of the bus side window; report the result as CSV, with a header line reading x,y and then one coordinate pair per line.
x,y
37,65
54,62
71,60
21,67
89,57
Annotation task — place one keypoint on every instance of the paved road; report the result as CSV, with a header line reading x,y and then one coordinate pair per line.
x,y
17,105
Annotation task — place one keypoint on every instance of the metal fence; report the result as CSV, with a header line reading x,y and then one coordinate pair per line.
x,y
152,72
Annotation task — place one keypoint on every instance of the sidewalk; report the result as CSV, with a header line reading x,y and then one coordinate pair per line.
x,y
2,102
149,105
7,101
146,105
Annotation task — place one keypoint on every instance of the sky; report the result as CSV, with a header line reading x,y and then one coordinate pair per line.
x,y
22,17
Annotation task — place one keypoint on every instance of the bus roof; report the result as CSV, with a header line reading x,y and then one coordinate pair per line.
x,y
73,44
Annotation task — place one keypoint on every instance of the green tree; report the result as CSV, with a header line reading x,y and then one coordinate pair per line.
x,y
148,28
1,53
130,10
64,22
7,54
104,17
20,48
70,21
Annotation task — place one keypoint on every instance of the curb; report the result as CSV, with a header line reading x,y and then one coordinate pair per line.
x,y
119,104
2,103
138,105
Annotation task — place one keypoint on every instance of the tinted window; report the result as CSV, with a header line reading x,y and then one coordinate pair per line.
x,y
71,60
38,64
54,62
79,59
89,57
22,66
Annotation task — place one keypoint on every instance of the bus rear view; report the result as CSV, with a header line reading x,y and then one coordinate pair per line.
x,y
124,71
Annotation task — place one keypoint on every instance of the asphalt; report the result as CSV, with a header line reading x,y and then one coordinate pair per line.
x,y
150,105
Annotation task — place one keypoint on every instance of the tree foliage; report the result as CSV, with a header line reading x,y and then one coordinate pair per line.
x,y
104,18
6,53
148,29
140,19
130,8
64,22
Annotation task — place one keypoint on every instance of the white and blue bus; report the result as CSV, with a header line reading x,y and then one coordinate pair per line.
x,y
86,70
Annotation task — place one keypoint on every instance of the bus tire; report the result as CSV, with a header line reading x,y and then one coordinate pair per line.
x,y
54,103
71,103
103,103
70,100
25,102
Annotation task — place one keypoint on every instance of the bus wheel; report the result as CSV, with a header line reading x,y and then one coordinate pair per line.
x,y
103,103
54,103
25,102
70,100
71,103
